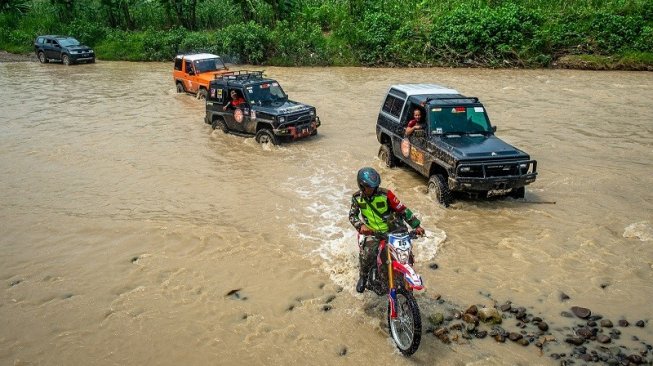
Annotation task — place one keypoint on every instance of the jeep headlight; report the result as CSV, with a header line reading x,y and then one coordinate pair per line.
x,y
465,169
282,119
312,112
523,166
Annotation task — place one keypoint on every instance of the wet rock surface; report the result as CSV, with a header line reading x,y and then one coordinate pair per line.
x,y
590,339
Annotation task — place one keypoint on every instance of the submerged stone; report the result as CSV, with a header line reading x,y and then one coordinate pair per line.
x,y
489,315
623,323
640,323
543,326
436,319
606,323
581,312
575,340
602,338
564,297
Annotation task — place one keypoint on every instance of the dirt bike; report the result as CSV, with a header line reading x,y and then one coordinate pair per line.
x,y
394,276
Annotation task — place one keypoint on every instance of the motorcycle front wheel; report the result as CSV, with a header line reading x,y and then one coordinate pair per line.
x,y
406,329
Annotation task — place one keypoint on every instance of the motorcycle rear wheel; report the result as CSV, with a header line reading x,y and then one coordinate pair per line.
x,y
406,329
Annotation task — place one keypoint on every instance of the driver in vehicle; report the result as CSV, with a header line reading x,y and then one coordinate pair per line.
x,y
236,100
376,210
415,123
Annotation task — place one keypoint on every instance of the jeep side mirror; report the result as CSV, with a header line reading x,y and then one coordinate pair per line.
x,y
494,128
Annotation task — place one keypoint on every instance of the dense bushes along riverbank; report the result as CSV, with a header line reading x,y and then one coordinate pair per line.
x,y
495,33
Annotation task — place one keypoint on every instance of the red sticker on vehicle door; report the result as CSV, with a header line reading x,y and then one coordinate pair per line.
x,y
238,115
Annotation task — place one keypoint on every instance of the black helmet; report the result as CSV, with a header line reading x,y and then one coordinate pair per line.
x,y
368,177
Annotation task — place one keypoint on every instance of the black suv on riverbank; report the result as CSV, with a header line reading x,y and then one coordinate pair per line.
x,y
265,111
456,149
68,50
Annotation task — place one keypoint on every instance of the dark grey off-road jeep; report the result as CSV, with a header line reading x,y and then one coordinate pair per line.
x,y
456,149
265,112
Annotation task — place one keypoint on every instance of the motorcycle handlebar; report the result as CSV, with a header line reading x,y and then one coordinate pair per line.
x,y
412,233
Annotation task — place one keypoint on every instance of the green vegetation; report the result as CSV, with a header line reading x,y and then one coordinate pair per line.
x,y
603,34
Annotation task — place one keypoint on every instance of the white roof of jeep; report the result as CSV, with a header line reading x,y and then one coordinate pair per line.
x,y
423,89
198,56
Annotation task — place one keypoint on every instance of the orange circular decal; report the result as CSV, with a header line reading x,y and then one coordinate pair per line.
x,y
238,115
405,148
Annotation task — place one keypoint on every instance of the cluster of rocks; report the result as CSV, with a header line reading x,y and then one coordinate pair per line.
x,y
593,340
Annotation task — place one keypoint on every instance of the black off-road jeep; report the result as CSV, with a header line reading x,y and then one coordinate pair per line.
x,y
456,149
266,112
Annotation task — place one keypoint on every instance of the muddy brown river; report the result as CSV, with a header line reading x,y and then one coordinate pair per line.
x,y
125,220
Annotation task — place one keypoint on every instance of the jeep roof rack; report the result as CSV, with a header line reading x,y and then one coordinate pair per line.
x,y
444,99
240,75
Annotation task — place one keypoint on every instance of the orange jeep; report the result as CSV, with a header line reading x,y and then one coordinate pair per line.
x,y
193,72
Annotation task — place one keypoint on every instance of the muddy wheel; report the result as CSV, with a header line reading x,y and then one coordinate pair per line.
x,y
180,87
439,189
66,60
518,192
42,58
406,328
265,136
386,155
202,94
218,123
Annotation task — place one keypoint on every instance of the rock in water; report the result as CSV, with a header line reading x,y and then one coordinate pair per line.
x,y
623,323
489,315
585,332
602,338
575,340
581,312
564,297
473,310
505,307
436,319
470,319
566,314
481,334
606,323
543,326
640,323
515,336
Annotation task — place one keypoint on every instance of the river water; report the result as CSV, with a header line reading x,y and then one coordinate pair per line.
x,y
125,221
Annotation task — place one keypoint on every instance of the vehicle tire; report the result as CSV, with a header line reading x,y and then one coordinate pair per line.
x,y
66,60
202,94
386,155
265,136
92,61
518,192
314,133
406,330
218,123
440,190
42,58
180,87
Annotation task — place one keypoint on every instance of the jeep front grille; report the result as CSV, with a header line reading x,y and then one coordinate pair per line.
x,y
297,119
496,169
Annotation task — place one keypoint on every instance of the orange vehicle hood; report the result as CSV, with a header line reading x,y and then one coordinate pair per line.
x,y
206,77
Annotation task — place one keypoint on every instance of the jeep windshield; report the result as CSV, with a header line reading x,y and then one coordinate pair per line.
x,y
209,64
67,42
266,93
458,121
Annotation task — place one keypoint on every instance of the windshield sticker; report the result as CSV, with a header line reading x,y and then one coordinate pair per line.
x,y
458,110
478,109
250,89
436,110
438,130
265,86
275,84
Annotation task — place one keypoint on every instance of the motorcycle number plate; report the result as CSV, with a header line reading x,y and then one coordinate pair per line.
x,y
399,242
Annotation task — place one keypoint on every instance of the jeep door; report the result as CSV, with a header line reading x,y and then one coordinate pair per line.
x,y
413,147
190,78
237,119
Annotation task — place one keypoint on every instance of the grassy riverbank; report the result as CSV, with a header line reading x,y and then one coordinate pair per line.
x,y
609,34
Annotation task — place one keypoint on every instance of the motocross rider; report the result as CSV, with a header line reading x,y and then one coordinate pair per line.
x,y
381,212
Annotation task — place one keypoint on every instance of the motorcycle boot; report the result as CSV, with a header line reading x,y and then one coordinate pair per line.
x,y
360,286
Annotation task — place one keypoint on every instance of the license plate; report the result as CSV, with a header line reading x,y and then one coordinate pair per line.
x,y
305,131
86,55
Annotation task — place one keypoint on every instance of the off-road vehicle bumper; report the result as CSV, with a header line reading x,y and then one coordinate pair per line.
x,y
492,176
298,130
